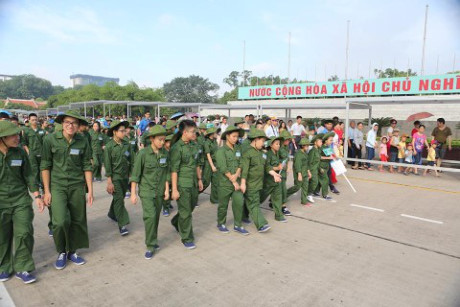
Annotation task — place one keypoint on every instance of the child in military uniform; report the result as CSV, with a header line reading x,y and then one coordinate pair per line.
x,y
301,172
167,206
314,159
210,169
284,156
16,212
327,155
118,162
97,146
151,171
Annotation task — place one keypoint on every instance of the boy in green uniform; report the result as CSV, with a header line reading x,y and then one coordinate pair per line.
x,y
228,166
284,156
131,138
167,203
118,162
66,172
314,160
326,158
301,172
97,146
16,212
185,179
151,171
252,177
210,169
272,186
33,142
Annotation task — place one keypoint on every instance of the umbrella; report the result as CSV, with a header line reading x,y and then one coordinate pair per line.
x,y
191,114
177,115
418,116
6,112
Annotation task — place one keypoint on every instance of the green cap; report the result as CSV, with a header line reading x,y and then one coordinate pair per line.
x,y
155,131
270,141
169,137
211,130
114,124
170,124
286,135
7,128
239,120
328,135
304,141
202,126
72,114
231,129
316,137
256,133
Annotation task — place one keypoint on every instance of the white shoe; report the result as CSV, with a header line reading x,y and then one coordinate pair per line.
x,y
310,199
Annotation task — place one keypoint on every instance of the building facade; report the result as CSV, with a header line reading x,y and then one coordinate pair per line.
x,y
79,79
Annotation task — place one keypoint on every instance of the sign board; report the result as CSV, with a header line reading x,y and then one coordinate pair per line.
x,y
436,84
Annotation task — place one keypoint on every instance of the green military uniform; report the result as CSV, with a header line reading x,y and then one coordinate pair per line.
x,y
33,139
270,187
252,170
228,161
210,177
118,163
151,171
97,141
245,145
314,160
132,140
50,129
67,163
167,203
324,165
284,156
300,166
16,212
185,159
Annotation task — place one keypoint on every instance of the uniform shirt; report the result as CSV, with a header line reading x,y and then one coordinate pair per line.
x,y
245,145
33,139
118,160
314,158
151,171
228,161
210,147
185,158
97,140
325,152
253,168
132,140
87,136
300,163
15,177
66,161
273,160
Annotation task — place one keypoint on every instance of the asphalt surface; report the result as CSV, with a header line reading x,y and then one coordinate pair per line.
x,y
393,243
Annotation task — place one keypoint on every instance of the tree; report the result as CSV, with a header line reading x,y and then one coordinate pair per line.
x,y
191,89
229,96
26,87
393,73
232,79
333,78
381,121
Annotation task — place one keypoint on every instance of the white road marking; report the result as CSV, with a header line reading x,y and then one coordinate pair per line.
x,y
5,297
366,207
422,219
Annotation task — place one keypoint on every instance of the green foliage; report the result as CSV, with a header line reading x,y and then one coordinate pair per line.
x,y
382,121
28,87
191,89
229,96
333,78
393,73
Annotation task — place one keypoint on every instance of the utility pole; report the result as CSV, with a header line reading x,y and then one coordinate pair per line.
x,y
422,72
244,63
346,50
289,58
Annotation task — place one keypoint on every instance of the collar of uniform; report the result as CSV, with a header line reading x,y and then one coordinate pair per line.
x,y
60,135
228,148
150,150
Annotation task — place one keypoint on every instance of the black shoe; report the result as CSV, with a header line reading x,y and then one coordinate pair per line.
x,y
286,211
316,194
270,204
335,191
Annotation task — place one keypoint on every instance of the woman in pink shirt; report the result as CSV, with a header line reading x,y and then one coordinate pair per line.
x,y
419,142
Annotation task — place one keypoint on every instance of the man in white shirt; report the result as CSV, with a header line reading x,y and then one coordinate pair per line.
x,y
223,126
297,129
272,130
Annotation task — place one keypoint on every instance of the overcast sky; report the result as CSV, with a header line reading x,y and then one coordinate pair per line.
x,y
151,42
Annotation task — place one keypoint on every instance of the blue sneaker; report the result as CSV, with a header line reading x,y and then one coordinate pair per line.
x,y
241,230
222,228
165,213
264,228
26,277
327,197
76,259
61,261
149,255
189,245
127,195
50,233
4,276
123,231
246,220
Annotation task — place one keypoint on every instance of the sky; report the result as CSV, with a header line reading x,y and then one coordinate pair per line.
x,y
151,42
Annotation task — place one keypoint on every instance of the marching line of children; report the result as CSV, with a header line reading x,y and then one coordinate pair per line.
x,y
169,167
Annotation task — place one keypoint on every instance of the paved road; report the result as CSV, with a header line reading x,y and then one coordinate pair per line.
x,y
394,243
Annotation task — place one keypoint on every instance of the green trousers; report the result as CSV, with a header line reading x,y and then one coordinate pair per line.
x,y
35,166
167,203
50,223
314,181
17,238
210,178
283,190
300,185
70,230
252,199
323,180
225,194
151,211
182,221
117,209
97,166
274,191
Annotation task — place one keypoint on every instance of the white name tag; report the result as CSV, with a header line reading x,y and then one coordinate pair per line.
x,y
100,138
163,161
16,162
133,142
264,156
127,153
74,151
238,154
199,151
41,132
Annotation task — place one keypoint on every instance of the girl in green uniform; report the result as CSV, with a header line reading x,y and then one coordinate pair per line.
x,y
210,169
97,144
301,172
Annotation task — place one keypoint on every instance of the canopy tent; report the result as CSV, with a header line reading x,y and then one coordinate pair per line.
x,y
368,102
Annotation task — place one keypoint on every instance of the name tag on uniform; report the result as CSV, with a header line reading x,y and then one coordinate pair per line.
x,y
238,154
127,153
199,151
100,138
41,132
264,156
133,142
163,161
16,162
74,151
39,156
